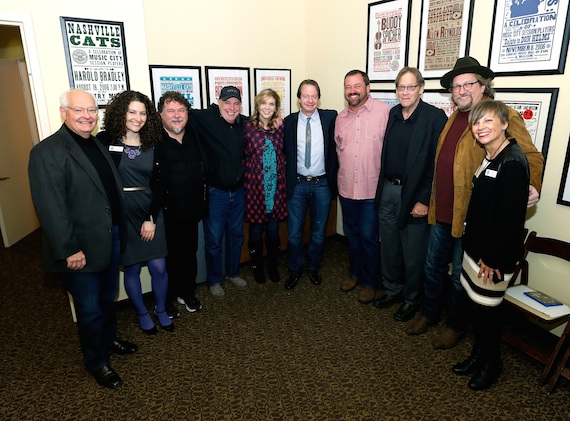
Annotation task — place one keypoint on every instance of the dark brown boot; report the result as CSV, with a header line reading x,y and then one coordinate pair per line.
x,y
273,260
256,254
447,339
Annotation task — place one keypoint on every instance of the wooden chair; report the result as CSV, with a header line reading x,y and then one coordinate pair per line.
x,y
556,360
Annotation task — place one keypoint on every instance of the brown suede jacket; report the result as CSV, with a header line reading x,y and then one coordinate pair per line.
x,y
469,155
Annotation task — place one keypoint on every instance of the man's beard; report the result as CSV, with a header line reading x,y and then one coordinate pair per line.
x,y
465,106
177,130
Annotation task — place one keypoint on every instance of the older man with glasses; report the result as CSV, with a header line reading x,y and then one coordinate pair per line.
x,y
403,192
79,200
456,160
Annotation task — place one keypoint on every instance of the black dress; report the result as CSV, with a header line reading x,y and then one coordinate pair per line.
x,y
135,170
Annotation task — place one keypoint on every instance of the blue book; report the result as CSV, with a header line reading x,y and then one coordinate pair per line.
x,y
542,298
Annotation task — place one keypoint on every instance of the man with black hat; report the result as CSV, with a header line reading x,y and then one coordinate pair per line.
x,y
456,160
220,129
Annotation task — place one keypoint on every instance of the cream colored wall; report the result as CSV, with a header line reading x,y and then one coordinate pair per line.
x,y
250,33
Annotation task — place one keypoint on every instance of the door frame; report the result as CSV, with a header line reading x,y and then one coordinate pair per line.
x,y
27,34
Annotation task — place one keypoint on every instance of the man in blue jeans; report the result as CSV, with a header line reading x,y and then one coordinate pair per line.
x,y
311,180
359,135
220,129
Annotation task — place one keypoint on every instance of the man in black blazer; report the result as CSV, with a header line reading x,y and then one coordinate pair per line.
x,y
403,193
78,198
311,180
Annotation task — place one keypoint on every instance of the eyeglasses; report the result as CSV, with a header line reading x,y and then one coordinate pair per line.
x,y
80,110
467,86
409,88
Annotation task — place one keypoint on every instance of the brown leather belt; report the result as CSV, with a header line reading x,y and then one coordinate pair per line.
x,y
311,177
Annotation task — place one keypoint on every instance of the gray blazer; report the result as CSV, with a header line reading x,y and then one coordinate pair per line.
x,y
71,203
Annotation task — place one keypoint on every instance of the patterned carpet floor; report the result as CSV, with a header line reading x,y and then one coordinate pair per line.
x,y
313,353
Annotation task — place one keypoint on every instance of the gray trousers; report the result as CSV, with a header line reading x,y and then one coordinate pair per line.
x,y
402,251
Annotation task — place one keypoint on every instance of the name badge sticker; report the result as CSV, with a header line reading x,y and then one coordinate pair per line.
x,y
491,173
115,148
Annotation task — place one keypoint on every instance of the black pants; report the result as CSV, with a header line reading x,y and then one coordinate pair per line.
x,y
181,261
488,324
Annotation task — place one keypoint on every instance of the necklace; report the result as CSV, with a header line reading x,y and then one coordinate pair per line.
x,y
496,151
131,151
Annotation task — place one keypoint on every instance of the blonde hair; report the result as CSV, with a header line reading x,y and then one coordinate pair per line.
x,y
259,98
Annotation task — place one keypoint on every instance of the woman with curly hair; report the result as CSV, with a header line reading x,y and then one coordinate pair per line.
x,y
265,202
132,130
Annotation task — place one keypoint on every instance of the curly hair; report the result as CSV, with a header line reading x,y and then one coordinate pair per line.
x,y
115,119
259,98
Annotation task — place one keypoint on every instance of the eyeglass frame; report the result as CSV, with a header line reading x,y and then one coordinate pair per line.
x,y
409,88
81,110
457,88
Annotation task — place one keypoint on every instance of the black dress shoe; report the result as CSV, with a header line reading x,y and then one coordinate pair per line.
x,y
168,327
150,332
172,311
486,376
385,300
123,347
107,377
406,312
292,281
469,366
315,277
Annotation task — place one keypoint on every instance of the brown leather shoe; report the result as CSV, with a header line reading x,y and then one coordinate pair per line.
x,y
366,295
348,284
419,325
447,339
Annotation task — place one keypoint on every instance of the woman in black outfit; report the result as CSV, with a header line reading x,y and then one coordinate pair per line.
x,y
493,238
132,130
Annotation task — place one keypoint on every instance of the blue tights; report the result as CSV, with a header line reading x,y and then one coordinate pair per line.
x,y
159,282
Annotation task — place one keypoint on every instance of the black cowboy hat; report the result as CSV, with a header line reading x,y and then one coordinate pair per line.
x,y
463,65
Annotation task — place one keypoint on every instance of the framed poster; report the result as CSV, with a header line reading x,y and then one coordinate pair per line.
x,y
440,99
183,79
529,37
437,98
280,81
388,39
444,36
564,190
385,95
96,57
218,77
536,106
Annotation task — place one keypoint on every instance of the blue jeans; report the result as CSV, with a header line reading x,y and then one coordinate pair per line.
x,y
271,231
225,216
314,195
442,249
360,223
94,298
